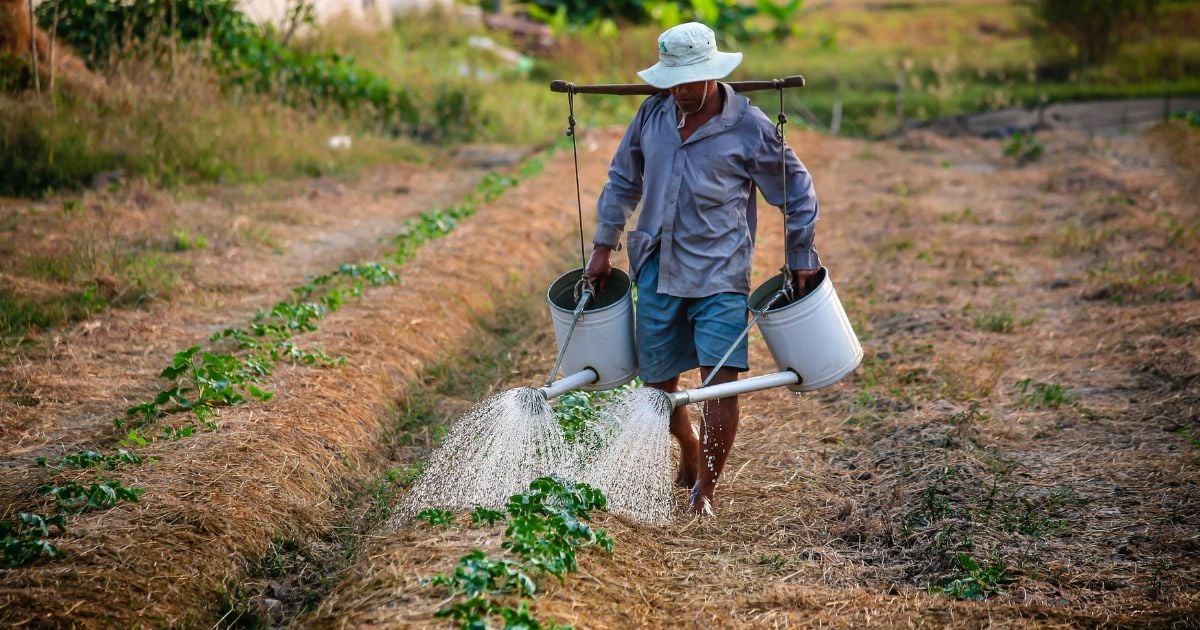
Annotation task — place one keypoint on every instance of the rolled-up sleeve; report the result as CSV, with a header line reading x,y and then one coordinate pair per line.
x,y
623,190
800,210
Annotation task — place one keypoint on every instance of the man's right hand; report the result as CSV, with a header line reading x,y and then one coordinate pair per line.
x,y
598,267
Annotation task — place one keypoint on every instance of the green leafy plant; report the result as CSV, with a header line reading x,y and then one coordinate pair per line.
x,y
484,516
92,459
184,241
997,319
577,411
1023,148
783,14
545,527
436,517
1050,395
978,583
74,498
24,540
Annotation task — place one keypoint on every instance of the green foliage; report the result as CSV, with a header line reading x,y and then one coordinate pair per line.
x,y
183,241
576,411
784,13
24,540
588,11
1050,395
440,221
19,313
544,528
978,583
1023,148
729,19
38,155
484,516
997,319
71,497
436,517
92,459
103,30
493,185
1094,29
477,574
1191,118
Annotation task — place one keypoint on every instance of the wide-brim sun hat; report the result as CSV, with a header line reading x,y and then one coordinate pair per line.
x,y
688,53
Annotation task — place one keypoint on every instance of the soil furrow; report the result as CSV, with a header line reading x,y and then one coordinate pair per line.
x,y
213,503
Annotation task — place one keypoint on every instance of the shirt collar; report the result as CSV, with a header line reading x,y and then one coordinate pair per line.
x,y
731,111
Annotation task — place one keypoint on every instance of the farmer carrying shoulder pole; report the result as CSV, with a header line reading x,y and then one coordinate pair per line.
x,y
694,156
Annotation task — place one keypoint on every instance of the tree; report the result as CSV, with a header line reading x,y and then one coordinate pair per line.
x,y
1095,29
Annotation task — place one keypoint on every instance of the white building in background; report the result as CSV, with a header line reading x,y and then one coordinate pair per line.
x,y
371,13
365,12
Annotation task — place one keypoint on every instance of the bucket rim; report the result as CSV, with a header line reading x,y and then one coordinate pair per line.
x,y
772,284
572,276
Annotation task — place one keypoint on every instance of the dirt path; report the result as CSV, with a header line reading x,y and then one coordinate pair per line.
x,y
1029,400
261,243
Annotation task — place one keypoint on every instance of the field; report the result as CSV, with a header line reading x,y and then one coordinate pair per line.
x,y
1019,447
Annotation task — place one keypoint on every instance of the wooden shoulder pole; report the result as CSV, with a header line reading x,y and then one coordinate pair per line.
x,y
633,89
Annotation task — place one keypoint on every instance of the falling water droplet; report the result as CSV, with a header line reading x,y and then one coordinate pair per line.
x,y
633,467
508,440
492,453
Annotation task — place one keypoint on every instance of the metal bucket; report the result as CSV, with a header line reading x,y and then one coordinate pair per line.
x,y
811,336
603,339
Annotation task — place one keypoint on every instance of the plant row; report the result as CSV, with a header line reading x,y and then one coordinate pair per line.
x,y
544,529
200,382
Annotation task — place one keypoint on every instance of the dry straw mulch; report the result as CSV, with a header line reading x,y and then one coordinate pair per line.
x,y
965,274
213,503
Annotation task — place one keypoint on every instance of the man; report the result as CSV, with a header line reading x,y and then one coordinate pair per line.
x,y
694,157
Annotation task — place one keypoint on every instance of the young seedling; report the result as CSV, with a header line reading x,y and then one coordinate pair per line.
x,y
436,517
24,540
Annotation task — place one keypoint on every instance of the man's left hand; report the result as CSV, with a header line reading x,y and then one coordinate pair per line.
x,y
804,280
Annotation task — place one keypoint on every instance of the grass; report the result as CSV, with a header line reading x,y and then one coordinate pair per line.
x,y
82,271
172,123
172,126
1047,395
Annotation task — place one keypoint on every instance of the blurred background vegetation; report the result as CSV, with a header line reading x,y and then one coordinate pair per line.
x,y
193,91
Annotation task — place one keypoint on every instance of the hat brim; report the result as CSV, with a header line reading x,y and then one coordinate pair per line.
x,y
718,67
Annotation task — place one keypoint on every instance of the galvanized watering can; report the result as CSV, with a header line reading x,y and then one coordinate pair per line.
x,y
594,333
810,336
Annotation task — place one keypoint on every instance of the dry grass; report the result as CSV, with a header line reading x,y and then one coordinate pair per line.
x,y
214,502
846,507
851,506
306,227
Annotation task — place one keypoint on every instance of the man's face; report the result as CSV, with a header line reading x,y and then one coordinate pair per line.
x,y
690,95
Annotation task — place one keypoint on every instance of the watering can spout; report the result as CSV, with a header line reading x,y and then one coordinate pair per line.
x,y
583,377
734,388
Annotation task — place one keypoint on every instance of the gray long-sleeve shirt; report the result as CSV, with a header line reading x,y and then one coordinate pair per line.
x,y
698,196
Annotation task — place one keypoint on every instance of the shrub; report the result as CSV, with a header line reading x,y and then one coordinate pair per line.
x,y
105,30
728,18
1094,29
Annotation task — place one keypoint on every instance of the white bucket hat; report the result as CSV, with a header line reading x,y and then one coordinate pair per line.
x,y
687,53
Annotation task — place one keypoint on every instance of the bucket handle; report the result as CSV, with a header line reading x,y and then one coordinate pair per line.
x,y
584,296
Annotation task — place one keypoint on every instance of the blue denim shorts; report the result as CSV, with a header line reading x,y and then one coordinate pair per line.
x,y
677,334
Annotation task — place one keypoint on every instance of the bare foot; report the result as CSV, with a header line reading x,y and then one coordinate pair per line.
x,y
700,502
686,478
